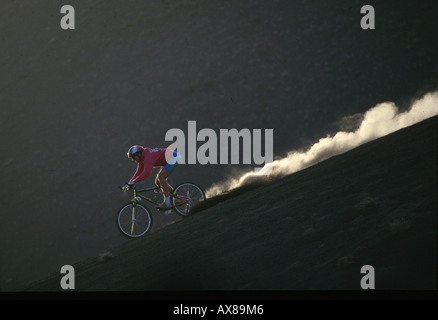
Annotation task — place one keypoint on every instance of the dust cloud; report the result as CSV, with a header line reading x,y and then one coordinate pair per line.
x,y
381,120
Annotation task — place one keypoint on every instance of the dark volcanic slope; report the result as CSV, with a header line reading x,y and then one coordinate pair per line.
x,y
72,102
375,205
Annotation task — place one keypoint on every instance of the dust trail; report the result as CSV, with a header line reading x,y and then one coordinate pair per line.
x,y
377,122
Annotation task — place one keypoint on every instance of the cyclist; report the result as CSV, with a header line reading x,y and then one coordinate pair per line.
x,y
147,159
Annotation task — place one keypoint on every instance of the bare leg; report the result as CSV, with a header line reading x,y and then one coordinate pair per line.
x,y
157,182
162,182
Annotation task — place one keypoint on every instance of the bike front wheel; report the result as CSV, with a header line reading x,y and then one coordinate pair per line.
x,y
133,220
186,196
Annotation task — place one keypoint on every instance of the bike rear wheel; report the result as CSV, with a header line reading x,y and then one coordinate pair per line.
x,y
187,195
133,220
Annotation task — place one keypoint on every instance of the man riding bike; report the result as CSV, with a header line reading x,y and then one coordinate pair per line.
x,y
147,159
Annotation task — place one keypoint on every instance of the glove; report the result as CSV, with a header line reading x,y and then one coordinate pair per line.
x,y
127,186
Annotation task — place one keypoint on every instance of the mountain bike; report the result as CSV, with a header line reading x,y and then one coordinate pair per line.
x,y
134,219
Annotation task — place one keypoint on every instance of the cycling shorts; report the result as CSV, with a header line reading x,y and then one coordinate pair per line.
x,y
172,160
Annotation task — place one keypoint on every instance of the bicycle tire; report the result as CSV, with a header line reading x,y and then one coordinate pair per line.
x,y
191,190
137,227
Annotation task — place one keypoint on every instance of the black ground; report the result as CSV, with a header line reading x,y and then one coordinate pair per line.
x,y
73,102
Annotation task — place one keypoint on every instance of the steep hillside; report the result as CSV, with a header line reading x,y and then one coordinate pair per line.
x,y
313,230
73,101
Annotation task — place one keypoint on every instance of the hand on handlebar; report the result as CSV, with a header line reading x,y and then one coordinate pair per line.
x,y
128,186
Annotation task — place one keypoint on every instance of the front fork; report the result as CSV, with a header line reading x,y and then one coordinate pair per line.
x,y
134,203
135,199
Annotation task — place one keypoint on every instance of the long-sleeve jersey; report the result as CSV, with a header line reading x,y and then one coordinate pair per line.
x,y
150,158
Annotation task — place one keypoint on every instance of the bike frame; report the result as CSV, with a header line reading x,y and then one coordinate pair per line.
x,y
183,199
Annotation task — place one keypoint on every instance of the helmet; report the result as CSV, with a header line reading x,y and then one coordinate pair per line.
x,y
133,150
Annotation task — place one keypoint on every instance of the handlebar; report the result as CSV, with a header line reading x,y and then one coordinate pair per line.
x,y
131,187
